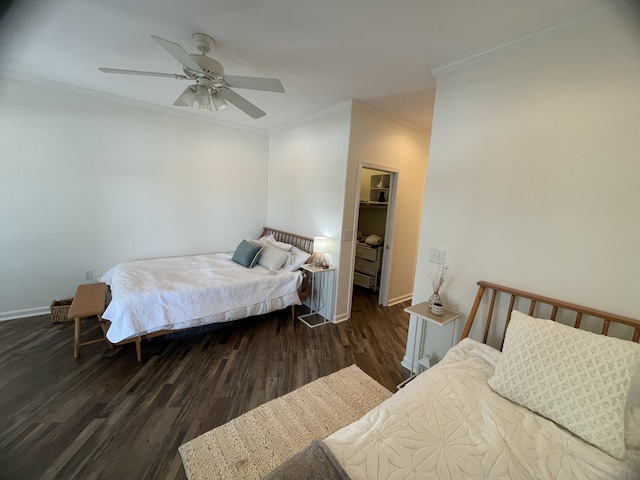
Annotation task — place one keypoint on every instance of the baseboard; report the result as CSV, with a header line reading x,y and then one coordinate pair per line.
x,y
397,300
340,318
27,312
406,363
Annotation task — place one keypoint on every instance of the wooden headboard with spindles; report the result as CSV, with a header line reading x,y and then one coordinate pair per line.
x,y
303,243
557,306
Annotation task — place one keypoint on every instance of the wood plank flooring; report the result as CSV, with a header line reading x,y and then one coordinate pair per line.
x,y
107,416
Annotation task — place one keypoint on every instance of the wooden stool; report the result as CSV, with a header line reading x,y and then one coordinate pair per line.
x,y
89,301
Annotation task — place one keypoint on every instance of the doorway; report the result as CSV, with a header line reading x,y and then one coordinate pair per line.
x,y
373,226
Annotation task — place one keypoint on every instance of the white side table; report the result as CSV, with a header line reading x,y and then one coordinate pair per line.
x,y
423,315
319,294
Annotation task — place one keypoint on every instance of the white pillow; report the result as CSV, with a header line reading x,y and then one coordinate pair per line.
x,y
632,427
254,241
297,257
374,240
272,258
632,415
576,378
257,241
271,239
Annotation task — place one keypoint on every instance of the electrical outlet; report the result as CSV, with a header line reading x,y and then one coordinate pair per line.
x,y
436,255
88,274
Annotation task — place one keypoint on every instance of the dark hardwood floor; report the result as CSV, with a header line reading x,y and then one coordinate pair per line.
x,y
106,416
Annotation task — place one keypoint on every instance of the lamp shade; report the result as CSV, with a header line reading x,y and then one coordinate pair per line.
x,y
320,244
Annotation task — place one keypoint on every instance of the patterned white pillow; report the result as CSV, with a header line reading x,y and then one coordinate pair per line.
x,y
272,240
578,379
632,415
272,258
297,257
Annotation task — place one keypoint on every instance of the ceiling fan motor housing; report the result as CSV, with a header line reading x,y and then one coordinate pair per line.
x,y
203,42
213,70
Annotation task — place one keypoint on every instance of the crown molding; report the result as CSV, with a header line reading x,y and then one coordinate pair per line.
x,y
547,33
315,116
390,117
65,87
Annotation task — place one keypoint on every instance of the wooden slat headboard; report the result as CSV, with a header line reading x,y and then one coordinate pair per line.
x,y
556,307
303,243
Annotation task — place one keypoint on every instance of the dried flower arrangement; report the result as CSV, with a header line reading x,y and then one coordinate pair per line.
x,y
437,280
439,277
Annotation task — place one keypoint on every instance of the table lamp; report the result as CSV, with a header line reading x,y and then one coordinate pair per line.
x,y
320,248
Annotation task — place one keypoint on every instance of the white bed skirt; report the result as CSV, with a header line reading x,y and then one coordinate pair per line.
x,y
182,292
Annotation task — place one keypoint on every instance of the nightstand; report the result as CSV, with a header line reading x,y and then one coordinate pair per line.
x,y
423,315
322,285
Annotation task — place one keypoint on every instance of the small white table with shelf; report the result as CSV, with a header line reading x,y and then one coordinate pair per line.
x,y
318,295
423,315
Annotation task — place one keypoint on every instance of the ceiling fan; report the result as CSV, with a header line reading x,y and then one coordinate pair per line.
x,y
212,86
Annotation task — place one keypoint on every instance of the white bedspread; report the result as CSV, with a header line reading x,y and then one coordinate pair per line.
x,y
448,424
180,292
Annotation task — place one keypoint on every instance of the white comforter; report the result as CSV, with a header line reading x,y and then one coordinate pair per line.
x,y
180,292
448,424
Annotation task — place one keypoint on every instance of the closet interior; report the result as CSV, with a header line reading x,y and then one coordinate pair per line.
x,y
372,220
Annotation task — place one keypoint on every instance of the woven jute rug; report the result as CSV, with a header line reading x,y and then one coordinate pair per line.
x,y
253,444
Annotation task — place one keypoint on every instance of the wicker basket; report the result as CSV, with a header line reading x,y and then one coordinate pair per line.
x,y
59,310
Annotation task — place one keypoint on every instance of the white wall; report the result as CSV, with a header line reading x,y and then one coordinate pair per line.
x,y
307,169
86,182
533,174
380,142
313,188
307,163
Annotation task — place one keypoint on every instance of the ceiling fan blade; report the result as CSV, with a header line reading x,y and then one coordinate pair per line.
x,y
179,53
187,98
148,74
242,103
254,83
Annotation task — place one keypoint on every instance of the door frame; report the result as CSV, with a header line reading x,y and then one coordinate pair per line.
x,y
383,288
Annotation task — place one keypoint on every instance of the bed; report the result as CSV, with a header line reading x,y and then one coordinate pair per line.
x,y
158,296
553,402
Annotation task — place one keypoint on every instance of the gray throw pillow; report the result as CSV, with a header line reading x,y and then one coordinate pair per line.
x,y
246,254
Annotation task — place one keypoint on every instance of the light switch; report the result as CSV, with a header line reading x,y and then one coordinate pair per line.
x,y
436,255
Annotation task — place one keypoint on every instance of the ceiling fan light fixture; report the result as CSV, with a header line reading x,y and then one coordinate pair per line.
x,y
202,94
205,104
203,97
188,97
218,102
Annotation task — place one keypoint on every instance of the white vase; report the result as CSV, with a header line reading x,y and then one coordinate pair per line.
x,y
437,309
434,298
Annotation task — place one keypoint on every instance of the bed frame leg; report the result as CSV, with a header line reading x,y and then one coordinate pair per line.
x,y
139,348
76,338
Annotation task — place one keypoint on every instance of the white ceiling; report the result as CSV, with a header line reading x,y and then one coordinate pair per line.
x,y
377,52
